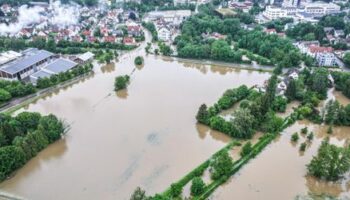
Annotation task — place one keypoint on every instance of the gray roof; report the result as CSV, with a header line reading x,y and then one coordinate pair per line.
x,y
40,74
60,65
19,65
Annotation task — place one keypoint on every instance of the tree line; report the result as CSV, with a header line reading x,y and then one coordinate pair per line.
x,y
22,2
63,46
63,76
22,137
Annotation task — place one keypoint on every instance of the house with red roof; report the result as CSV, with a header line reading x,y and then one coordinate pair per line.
x,y
128,41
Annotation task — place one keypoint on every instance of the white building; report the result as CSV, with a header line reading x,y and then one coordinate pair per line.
x,y
164,33
273,12
291,3
174,17
323,55
320,8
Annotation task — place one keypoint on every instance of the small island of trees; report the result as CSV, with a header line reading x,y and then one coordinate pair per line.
x,y
121,82
138,60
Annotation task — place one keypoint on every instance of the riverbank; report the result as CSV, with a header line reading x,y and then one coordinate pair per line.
x,y
17,104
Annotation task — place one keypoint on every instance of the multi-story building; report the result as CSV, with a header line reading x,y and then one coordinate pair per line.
x,y
273,12
164,33
323,55
320,8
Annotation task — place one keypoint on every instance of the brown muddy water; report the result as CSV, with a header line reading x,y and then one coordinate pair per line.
x,y
279,172
144,136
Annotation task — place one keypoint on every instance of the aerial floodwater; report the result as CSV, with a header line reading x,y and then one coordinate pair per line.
x,y
144,136
280,172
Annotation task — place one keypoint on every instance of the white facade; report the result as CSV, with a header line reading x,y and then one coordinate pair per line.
x,y
320,8
326,59
164,34
273,12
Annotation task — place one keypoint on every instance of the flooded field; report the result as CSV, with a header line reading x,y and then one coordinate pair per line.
x,y
279,172
144,136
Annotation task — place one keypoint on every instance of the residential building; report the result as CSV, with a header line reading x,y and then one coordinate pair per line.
x,y
321,8
273,12
323,55
164,33
84,58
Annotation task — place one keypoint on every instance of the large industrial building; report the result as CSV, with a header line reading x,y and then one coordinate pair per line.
x,y
19,66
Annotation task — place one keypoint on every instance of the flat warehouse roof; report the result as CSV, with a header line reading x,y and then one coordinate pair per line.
x,y
40,74
60,65
19,65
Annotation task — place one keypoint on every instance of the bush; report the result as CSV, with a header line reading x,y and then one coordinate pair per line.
x,y
302,146
304,130
295,137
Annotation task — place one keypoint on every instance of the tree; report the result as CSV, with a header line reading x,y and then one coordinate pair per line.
x,y
302,146
203,114
165,49
279,104
295,137
175,190
138,60
331,162
246,149
11,158
121,82
270,94
197,187
291,91
319,82
139,194
221,165
244,123
346,59
4,95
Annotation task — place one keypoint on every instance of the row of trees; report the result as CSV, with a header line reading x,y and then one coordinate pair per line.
x,y
21,2
336,114
63,76
63,46
13,89
22,137
342,82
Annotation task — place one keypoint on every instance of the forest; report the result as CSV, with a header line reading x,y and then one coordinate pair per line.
x,y
23,136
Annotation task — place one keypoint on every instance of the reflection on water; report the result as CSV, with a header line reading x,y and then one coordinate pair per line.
x,y
203,131
123,94
137,137
108,68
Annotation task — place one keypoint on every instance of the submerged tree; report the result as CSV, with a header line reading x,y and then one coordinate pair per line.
x,y
331,162
121,82
203,114
139,194
221,165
